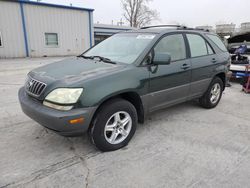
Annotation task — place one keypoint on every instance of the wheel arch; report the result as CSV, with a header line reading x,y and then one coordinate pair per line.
x,y
135,99
131,96
222,76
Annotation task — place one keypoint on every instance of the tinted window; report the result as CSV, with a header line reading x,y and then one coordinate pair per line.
x,y
217,41
198,46
174,45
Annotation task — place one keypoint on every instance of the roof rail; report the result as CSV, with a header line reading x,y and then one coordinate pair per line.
x,y
179,27
196,29
153,26
207,30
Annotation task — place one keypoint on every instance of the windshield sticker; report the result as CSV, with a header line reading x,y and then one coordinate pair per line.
x,y
149,37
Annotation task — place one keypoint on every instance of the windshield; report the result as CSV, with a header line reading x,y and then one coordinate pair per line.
x,y
124,48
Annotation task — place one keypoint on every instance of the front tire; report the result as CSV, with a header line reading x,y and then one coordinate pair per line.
x,y
213,95
114,125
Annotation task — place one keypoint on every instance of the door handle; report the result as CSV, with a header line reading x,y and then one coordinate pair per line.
x,y
185,66
214,60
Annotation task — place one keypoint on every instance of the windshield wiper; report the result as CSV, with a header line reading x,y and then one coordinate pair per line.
x,y
85,57
103,59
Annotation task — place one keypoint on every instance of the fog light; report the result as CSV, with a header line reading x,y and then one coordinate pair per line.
x,y
75,121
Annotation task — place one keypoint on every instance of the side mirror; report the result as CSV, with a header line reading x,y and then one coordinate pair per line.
x,y
162,59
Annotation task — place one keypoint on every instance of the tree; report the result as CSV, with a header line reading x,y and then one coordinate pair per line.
x,y
137,12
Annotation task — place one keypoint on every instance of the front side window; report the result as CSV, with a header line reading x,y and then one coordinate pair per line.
x,y
124,48
174,45
51,39
217,41
1,40
198,45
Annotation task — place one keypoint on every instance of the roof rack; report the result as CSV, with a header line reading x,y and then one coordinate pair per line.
x,y
207,30
197,29
153,26
179,27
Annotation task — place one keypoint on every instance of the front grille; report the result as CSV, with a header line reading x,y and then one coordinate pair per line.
x,y
34,87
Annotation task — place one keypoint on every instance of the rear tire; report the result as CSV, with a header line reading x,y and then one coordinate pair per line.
x,y
213,95
114,125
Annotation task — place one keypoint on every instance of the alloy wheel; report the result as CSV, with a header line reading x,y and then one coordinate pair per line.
x,y
215,93
118,127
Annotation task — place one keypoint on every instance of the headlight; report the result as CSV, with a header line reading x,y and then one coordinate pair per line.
x,y
57,107
64,95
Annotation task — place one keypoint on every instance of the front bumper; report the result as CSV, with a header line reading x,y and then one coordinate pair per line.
x,y
56,120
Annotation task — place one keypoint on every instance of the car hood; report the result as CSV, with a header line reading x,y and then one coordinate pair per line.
x,y
73,71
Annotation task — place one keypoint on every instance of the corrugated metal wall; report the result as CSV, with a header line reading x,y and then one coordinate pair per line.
x,y
72,27
11,30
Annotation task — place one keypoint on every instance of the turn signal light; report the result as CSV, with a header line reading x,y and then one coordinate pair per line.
x,y
75,121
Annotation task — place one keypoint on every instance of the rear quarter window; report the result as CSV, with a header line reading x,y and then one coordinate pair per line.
x,y
217,41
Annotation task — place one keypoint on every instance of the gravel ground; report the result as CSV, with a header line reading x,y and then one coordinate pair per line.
x,y
183,146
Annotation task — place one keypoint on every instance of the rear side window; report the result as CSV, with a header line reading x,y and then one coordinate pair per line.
x,y
174,45
217,41
198,46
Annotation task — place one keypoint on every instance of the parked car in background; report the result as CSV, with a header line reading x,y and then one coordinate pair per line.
x,y
237,40
239,48
111,87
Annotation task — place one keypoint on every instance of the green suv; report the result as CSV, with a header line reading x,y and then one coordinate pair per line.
x,y
111,87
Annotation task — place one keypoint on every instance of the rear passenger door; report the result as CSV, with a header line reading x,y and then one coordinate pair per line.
x,y
169,84
203,61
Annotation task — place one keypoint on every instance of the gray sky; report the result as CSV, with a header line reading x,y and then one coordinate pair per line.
x,y
188,12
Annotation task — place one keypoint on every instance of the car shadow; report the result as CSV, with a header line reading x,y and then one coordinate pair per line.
x,y
83,146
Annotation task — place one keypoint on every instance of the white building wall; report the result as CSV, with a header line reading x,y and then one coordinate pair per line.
x,y
12,30
91,27
245,27
72,27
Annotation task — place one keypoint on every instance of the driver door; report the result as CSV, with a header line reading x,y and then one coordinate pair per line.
x,y
170,84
